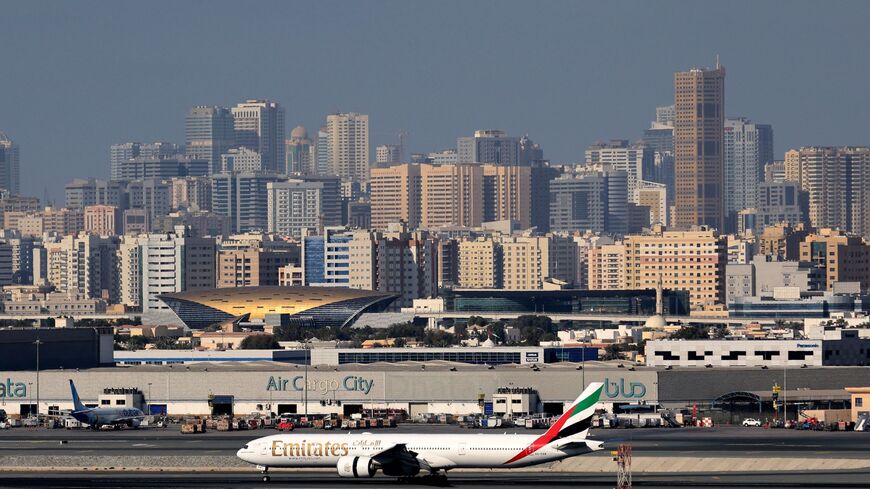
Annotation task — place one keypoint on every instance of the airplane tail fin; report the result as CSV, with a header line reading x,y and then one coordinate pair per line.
x,y
577,418
77,403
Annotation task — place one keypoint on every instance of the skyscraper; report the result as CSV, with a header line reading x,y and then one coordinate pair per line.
x,y
489,146
121,154
388,153
699,104
299,153
259,126
323,155
348,137
243,197
619,155
209,132
10,171
748,147
838,183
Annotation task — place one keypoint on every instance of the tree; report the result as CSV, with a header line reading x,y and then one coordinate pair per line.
x,y
611,352
722,333
691,333
439,339
260,342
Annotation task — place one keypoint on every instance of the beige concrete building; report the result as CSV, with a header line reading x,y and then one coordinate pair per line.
x,y
654,196
245,268
524,262
479,264
693,261
782,241
102,220
844,258
348,139
191,193
699,105
362,254
395,193
606,265
508,194
291,275
451,195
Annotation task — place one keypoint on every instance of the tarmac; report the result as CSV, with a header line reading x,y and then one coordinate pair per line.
x,y
662,457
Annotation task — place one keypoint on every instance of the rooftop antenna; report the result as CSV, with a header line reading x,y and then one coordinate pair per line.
x,y
717,61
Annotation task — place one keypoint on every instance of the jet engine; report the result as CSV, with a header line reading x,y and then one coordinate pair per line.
x,y
357,467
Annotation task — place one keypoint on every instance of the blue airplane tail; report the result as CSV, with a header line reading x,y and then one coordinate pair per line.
x,y
77,403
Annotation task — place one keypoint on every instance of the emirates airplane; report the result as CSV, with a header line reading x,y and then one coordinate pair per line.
x,y
361,455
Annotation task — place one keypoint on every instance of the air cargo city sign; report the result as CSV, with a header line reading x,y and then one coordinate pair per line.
x,y
353,384
11,389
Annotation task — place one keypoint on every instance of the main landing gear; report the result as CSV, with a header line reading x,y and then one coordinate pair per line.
x,y
264,470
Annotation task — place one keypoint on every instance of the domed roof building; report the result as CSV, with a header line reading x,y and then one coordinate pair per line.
x,y
317,306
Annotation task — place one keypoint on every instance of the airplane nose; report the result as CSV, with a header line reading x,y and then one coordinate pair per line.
x,y
243,454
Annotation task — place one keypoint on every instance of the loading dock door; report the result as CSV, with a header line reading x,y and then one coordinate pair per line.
x,y
221,405
418,408
554,408
352,409
287,409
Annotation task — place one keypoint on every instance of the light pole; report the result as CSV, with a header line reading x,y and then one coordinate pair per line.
x,y
148,403
38,342
29,398
784,393
305,386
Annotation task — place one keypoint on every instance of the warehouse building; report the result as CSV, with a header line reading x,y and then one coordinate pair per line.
x,y
426,387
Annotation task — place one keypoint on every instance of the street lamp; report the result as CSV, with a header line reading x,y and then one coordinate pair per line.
x,y
38,342
148,402
29,398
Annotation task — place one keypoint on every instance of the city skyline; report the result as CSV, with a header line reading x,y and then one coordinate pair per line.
x,y
141,87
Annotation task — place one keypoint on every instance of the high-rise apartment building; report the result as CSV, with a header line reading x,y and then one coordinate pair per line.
x,y
300,153
395,195
348,142
479,261
85,265
837,181
326,259
842,257
699,105
530,152
192,193
243,197
388,153
259,126
451,195
666,115
655,197
159,167
748,148
10,165
152,195
103,220
300,207
167,262
120,154
251,267
209,133
488,146
693,261
590,200
241,160
606,267
619,155
81,193
780,203
323,156
507,194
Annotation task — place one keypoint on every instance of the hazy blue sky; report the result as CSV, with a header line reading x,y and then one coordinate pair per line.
x,y
79,76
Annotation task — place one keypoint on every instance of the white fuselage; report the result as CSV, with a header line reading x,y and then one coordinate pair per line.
x,y
438,450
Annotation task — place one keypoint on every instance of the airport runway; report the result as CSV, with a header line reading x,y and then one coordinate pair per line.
x,y
465,480
722,441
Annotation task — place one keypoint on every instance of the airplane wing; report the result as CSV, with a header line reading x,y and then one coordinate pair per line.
x,y
397,459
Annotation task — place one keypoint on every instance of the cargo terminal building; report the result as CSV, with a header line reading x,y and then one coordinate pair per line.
x,y
424,387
